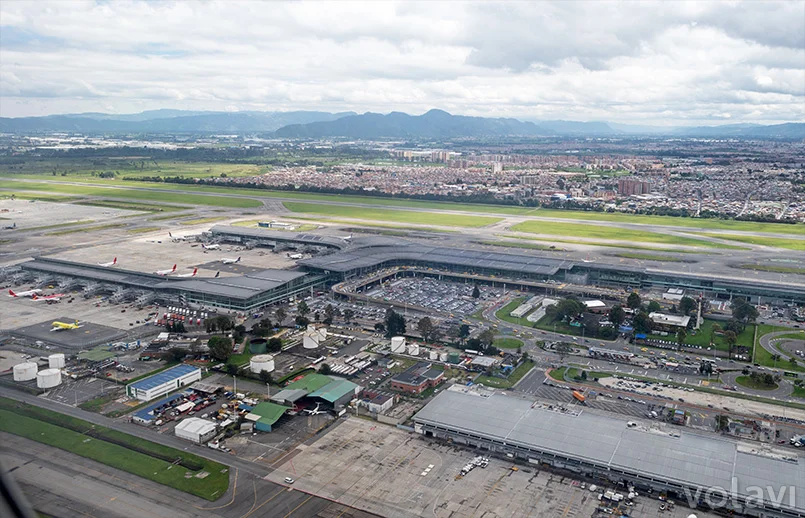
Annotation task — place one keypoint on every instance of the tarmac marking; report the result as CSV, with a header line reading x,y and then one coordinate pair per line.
x,y
569,504
255,509
298,506
234,492
494,486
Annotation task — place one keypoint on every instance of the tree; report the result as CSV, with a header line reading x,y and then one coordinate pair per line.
x,y
653,307
328,321
317,317
463,331
231,369
722,423
280,314
380,327
680,337
568,308
175,354
633,300
301,321
239,333
224,323
744,311
686,305
348,315
731,339
642,323
714,330
329,311
487,338
735,325
220,347
211,324
425,328
265,377
563,349
474,344
395,324
302,308
274,345
617,315
584,375
476,292
324,369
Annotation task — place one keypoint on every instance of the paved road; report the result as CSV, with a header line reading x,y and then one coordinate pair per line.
x,y
305,504
768,341
783,390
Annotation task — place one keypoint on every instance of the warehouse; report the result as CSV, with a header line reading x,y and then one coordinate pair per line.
x,y
335,393
417,378
163,382
265,415
196,430
605,448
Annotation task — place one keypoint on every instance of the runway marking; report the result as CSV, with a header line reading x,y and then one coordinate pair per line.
x,y
234,492
298,506
255,509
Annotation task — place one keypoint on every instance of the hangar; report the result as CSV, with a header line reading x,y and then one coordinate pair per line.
x,y
163,382
603,447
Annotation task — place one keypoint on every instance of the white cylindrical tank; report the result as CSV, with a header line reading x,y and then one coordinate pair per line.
x,y
262,362
413,349
433,355
48,378
25,371
398,344
56,361
442,357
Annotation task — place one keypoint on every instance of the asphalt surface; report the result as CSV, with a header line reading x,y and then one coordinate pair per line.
x,y
283,503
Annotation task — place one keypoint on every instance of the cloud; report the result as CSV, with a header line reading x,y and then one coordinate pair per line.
x,y
657,62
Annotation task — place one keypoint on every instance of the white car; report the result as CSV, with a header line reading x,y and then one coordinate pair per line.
x,y
289,480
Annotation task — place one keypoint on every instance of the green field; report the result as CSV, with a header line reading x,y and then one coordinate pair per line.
x,y
143,230
772,268
746,381
129,191
60,225
207,479
507,342
85,229
201,221
514,377
55,198
131,167
394,216
776,242
702,337
608,244
504,313
649,257
129,205
604,232
528,246
764,357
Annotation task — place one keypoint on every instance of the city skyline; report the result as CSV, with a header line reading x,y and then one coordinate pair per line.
x,y
639,63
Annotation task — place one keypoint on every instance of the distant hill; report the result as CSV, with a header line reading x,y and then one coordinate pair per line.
x,y
433,124
794,130
166,121
578,128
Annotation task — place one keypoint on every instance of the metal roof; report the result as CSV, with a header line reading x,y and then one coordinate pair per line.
x,y
292,395
97,354
163,377
689,459
334,391
196,426
280,235
268,412
310,383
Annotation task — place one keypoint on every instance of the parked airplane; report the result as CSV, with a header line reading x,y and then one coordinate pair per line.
x,y
315,411
348,238
210,247
217,274
176,239
107,265
295,256
166,272
48,298
62,326
195,270
230,261
23,293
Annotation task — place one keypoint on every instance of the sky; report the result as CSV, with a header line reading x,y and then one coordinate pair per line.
x,y
659,63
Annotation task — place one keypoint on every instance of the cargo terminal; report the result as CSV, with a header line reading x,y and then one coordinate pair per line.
x,y
608,449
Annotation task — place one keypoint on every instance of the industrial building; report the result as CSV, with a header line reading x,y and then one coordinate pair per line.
x,y
265,415
196,430
163,382
607,449
665,322
417,378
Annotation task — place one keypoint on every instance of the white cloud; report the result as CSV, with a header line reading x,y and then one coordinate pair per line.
x,y
657,62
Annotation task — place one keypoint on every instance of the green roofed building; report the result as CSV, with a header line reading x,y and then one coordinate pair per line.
x,y
97,354
265,415
337,393
310,383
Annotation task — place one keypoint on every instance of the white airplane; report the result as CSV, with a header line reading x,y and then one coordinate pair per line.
x,y
195,270
226,260
48,298
348,238
315,411
107,265
23,293
176,239
210,247
166,272
295,256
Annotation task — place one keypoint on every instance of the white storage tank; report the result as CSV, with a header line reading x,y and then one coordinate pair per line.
x,y
25,371
413,349
398,344
442,357
433,355
56,361
262,362
48,378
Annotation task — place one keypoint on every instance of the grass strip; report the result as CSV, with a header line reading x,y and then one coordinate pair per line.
x,y
772,268
85,229
775,242
393,216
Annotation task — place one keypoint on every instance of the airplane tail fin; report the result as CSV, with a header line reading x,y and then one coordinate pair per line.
x,y
114,261
238,260
174,268
34,297
170,235
217,274
11,293
195,270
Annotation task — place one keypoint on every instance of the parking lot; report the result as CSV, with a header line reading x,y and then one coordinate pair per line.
x,y
442,296
75,392
396,473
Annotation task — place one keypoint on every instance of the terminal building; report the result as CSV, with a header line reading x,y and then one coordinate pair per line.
x,y
609,451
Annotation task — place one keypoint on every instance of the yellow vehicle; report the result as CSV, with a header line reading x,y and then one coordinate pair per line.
x,y
644,349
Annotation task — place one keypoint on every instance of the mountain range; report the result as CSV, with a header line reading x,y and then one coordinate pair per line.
x,y
316,124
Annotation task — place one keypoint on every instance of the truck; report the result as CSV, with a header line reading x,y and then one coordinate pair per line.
x,y
579,396
798,441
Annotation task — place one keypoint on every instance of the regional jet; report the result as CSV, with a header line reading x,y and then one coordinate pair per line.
x,y
62,326
195,270
48,298
230,261
107,265
23,293
166,272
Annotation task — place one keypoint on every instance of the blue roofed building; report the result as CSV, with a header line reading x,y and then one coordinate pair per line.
x,y
163,382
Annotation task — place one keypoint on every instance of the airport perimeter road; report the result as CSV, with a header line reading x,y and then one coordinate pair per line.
x,y
768,340
282,502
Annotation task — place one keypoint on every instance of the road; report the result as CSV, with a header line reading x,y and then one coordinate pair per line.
x,y
287,503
